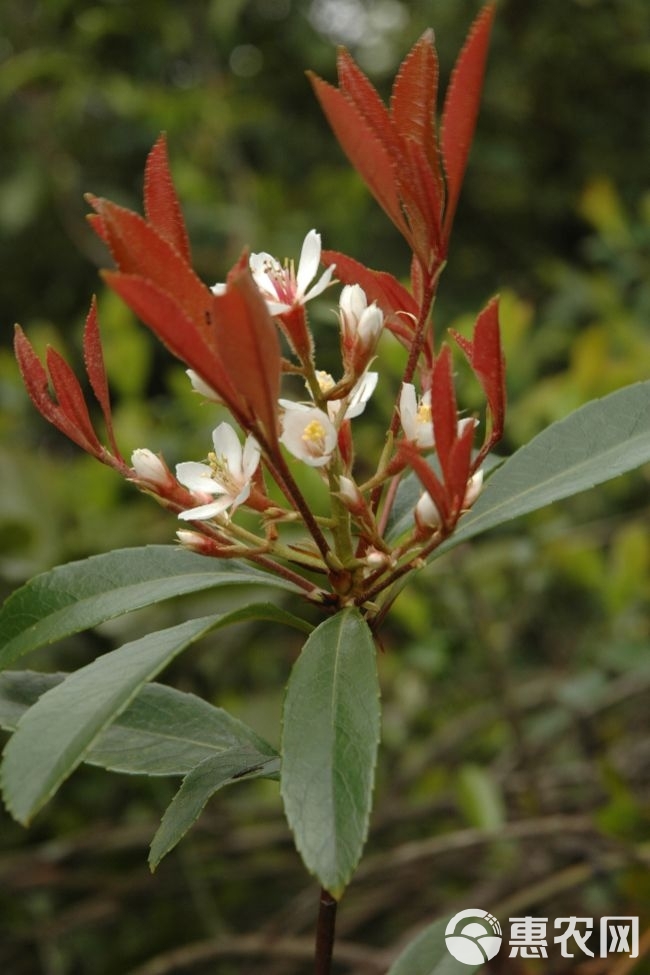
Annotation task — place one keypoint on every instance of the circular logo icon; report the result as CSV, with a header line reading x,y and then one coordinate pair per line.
x,y
473,936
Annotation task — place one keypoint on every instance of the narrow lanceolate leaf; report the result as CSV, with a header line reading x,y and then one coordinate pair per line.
x,y
163,732
329,747
138,249
96,371
161,203
485,356
74,597
414,96
601,440
55,735
36,383
71,399
428,955
461,107
166,318
366,152
199,785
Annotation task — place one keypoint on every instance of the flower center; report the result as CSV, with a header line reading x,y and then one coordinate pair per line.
x,y
221,472
313,437
424,413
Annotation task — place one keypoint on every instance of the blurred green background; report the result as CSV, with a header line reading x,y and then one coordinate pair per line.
x,y
516,672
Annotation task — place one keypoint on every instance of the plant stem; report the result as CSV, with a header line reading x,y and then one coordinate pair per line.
x,y
325,933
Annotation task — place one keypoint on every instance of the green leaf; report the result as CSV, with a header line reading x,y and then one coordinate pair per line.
x,y
82,594
596,443
329,747
199,785
55,735
428,955
162,732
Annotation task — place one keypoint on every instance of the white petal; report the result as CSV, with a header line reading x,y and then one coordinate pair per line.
x,y
289,404
250,457
241,497
353,301
408,407
321,284
295,436
206,511
227,446
370,325
200,386
260,265
148,466
309,261
277,307
426,512
219,289
197,477
473,489
361,394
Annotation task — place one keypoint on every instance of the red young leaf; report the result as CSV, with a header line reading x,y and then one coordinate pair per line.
x,y
413,100
96,221
71,399
161,203
248,345
461,109
411,170
37,385
391,296
163,314
422,198
431,483
443,408
366,152
138,249
94,362
459,465
365,98
485,356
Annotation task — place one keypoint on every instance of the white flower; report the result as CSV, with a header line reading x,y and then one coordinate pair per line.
x,y
416,416
308,434
282,287
361,325
357,399
149,467
227,474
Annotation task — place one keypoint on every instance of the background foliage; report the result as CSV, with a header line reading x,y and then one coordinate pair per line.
x,y
516,673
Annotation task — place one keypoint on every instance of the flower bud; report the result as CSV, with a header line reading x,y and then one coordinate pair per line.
x,y
351,496
473,489
427,516
196,542
361,326
200,386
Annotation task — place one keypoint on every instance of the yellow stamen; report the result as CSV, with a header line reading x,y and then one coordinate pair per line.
x,y
325,381
314,436
424,413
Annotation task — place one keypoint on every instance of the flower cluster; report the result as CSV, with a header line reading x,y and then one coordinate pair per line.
x,y
241,338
